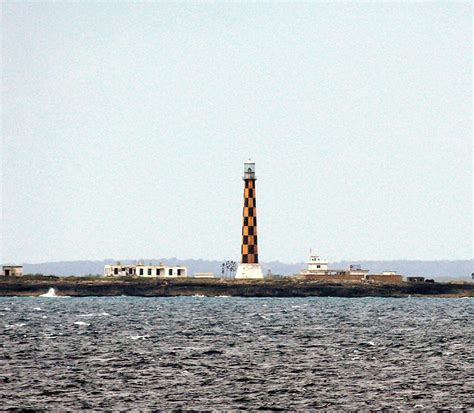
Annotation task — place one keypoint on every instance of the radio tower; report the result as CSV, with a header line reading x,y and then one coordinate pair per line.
x,y
249,268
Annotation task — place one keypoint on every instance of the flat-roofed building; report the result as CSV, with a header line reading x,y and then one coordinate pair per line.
x,y
142,270
389,277
318,271
12,270
204,275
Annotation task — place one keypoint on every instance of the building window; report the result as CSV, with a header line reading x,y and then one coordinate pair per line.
x,y
170,272
116,271
141,271
149,271
318,266
157,271
179,272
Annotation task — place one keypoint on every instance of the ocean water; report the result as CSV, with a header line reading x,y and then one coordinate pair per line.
x,y
201,353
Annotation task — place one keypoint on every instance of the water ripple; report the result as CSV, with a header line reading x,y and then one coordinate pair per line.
x,y
204,353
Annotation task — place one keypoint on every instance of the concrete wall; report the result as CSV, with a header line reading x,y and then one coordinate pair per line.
x,y
354,276
334,278
149,271
385,278
175,272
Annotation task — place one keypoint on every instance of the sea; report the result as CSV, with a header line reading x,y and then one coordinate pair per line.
x,y
228,353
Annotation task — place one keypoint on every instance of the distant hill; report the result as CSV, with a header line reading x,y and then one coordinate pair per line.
x,y
441,270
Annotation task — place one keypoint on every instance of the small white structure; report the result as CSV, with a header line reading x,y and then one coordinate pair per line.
x,y
12,270
204,275
249,272
142,270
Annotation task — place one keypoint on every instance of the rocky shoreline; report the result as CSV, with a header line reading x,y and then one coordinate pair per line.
x,y
96,286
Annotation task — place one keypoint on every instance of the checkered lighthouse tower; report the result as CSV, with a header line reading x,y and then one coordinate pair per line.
x,y
249,268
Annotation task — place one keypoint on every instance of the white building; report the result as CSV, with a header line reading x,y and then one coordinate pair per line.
x,y
142,270
318,271
316,264
319,267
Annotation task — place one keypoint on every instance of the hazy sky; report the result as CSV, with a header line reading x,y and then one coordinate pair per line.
x,y
125,127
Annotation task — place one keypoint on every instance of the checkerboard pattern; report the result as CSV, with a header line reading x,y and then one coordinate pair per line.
x,y
249,248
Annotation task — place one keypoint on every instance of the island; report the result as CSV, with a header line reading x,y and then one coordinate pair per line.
x,y
74,286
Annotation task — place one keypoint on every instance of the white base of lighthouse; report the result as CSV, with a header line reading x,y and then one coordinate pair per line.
x,y
249,272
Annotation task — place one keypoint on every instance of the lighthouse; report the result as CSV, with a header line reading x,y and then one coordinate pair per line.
x,y
249,268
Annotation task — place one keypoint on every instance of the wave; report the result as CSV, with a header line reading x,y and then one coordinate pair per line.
x,y
52,294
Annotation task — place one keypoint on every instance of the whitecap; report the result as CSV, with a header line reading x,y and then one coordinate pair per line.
x,y
93,315
371,343
37,309
81,323
138,337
